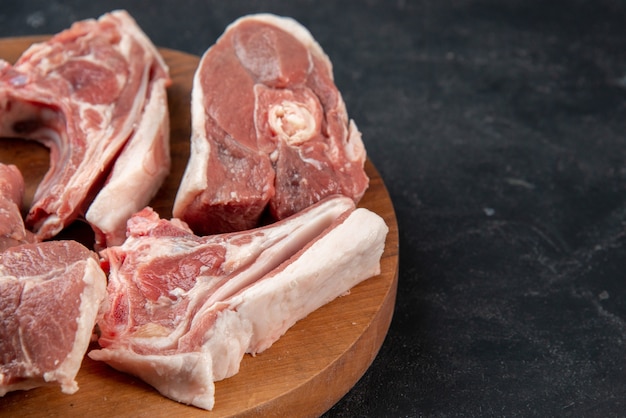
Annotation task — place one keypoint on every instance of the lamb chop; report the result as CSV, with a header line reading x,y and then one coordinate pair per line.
x,y
270,131
182,310
93,94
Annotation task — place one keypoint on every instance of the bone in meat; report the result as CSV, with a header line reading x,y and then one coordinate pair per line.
x,y
176,300
85,94
270,129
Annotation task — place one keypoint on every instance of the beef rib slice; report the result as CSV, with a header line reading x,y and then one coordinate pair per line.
x,y
50,293
182,310
269,129
89,93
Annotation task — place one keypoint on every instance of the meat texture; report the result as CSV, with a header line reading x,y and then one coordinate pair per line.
x,y
95,95
12,230
182,310
50,293
270,129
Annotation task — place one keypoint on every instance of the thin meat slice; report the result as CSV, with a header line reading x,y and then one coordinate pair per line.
x,y
270,130
182,310
11,183
137,174
50,293
86,94
12,230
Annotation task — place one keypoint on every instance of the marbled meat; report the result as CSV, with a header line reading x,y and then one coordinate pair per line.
x,y
50,293
270,131
89,94
182,310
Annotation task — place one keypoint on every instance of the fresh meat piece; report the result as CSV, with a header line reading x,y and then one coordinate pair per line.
x,y
12,230
11,184
182,310
88,94
137,174
50,293
269,129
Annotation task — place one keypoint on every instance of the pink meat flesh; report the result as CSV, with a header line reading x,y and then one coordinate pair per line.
x,y
270,129
182,310
50,293
12,230
86,94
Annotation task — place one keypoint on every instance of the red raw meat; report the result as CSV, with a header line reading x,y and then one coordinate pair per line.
x,y
89,94
269,129
12,230
50,293
182,310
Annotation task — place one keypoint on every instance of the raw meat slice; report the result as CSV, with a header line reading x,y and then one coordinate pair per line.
x,y
269,129
11,183
50,293
182,310
86,94
12,230
137,174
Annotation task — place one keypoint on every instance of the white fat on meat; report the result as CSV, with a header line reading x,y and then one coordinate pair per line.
x,y
138,172
350,251
212,299
88,94
50,293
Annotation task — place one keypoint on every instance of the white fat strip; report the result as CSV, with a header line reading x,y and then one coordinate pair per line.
x,y
194,179
351,252
355,149
294,28
141,171
159,247
283,242
90,299
125,44
194,383
314,162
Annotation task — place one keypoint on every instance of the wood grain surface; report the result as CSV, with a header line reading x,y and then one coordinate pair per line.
x,y
304,373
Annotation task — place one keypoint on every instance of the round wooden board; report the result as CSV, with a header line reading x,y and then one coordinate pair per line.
x,y
304,373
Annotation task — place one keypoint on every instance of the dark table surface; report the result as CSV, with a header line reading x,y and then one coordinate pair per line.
x,y
499,130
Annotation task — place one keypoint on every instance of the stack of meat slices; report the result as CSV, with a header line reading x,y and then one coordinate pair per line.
x,y
186,298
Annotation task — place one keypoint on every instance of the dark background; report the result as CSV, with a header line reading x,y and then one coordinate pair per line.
x,y
499,130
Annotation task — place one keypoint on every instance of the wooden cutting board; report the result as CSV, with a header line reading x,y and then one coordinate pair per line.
x,y
304,373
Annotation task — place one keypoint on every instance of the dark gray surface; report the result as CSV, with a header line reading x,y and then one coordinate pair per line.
x,y
499,129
